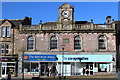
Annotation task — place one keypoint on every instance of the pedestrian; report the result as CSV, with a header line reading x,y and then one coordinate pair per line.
x,y
47,71
83,71
87,72
53,71
9,76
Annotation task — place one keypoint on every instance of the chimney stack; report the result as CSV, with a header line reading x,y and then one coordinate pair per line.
x,y
108,19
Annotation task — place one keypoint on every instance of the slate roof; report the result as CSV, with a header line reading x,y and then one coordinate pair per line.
x,y
16,22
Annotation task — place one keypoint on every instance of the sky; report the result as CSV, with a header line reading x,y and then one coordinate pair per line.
x,y
48,11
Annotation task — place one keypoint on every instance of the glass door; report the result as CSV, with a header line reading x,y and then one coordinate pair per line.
x,y
8,67
3,69
43,68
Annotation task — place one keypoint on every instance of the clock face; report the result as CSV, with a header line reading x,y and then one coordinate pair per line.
x,y
66,14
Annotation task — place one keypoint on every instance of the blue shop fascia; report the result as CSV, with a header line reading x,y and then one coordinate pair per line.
x,y
69,64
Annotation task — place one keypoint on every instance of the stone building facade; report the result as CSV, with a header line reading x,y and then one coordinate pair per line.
x,y
67,44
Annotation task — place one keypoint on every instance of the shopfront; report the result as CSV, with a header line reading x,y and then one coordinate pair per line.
x,y
74,64
9,64
38,64
69,65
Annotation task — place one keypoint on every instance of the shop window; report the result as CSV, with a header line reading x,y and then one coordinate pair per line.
x,y
102,43
96,64
26,67
102,68
34,67
53,42
5,32
77,43
4,49
30,43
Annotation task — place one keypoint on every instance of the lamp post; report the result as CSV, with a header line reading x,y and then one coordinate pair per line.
x,y
23,65
63,61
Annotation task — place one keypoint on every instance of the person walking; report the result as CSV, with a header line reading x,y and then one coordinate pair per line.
x,y
47,71
53,71
87,72
9,75
83,71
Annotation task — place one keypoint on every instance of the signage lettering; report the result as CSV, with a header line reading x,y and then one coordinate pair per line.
x,y
32,57
76,58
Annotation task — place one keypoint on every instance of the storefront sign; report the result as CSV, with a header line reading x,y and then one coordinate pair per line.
x,y
85,58
8,59
38,57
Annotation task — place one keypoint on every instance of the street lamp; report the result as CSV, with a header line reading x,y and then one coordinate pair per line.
x,y
63,61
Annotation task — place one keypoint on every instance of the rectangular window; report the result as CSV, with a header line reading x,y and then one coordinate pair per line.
x,y
4,49
65,41
8,31
5,32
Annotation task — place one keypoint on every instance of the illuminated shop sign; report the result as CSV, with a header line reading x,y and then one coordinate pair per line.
x,y
35,57
85,58
76,58
8,59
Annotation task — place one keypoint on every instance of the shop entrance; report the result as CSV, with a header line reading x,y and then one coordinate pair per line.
x,y
8,67
43,66
89,68
67,69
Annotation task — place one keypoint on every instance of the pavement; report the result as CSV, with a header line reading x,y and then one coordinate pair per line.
x,y
90,77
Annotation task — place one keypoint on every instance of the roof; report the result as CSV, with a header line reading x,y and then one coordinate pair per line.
x,y
65,5
81,22
50,23
16,22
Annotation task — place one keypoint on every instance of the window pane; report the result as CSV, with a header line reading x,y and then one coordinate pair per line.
x,y
34,67
2,46
3,31
30,43
53,42
26,67
2,52
66,41
8,31
7,46
7,51
77,43
2,49
102,43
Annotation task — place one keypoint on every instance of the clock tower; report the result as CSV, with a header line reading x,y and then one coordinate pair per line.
x,y
66,13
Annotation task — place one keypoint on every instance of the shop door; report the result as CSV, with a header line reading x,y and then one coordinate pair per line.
x,y
3,71
7,67
89,68
43,68
67,70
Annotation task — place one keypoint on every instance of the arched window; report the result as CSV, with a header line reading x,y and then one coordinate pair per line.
x,y
53,42
77,43
30,43
102,42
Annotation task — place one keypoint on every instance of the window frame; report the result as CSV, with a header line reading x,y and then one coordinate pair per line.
x,y
55,43
80,42
4,49
5,31
102,44
33,43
